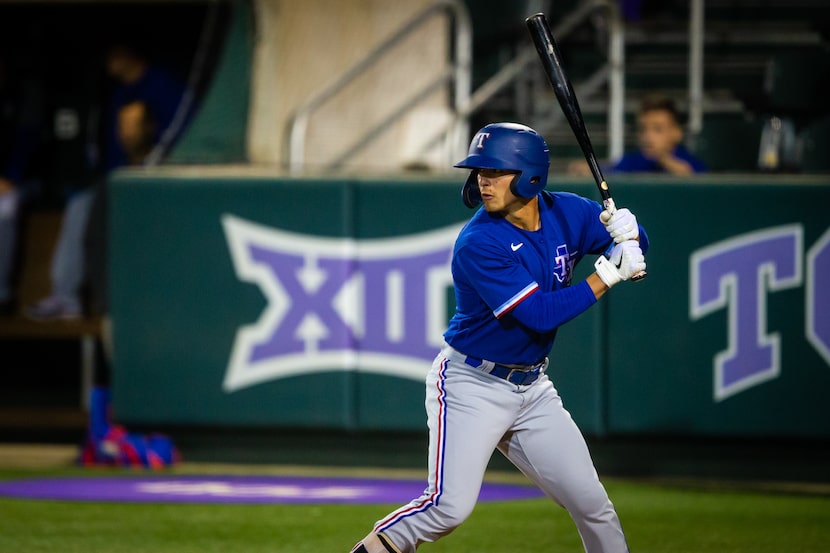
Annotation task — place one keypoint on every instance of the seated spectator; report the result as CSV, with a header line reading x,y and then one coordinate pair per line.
x,y
130,136
21,119
660,140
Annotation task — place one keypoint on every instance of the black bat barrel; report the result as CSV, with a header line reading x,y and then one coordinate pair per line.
x,y
552,63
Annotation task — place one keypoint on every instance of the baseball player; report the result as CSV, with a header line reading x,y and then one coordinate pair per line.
x,y
512,267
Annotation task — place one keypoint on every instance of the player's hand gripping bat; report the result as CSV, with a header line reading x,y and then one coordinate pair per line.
x,y
552,63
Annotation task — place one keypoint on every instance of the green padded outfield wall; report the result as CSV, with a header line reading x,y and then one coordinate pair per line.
x,y
251,300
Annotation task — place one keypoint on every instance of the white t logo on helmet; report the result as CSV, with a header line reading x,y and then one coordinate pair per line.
x,y
481,137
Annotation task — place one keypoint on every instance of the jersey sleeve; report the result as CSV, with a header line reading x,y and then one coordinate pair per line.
x,y
644,242
508,289
496,277
547,311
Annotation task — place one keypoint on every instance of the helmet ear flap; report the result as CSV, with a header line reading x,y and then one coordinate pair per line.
x,y
514,185
470,193
527,187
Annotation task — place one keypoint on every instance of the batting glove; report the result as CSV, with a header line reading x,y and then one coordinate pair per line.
x,y
621,225
626,260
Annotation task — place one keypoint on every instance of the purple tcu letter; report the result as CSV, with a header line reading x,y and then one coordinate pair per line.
x,y
737,273
818,296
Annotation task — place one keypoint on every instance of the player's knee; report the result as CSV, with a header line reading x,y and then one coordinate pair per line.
x,y
586,501
452,516
593,507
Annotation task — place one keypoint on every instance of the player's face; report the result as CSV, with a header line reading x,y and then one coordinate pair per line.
x,y
658,133
494,185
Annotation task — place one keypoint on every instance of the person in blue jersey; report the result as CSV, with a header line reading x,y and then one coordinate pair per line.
x,y
159,90
512,268
660,146
660,140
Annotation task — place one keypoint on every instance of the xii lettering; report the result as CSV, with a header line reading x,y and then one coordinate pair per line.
x,y
337,303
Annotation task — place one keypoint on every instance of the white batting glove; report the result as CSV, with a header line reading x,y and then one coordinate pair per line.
x,y
626,260
621,224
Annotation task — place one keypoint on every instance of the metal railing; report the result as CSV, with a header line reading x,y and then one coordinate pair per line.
x,y
613,72
459,73
455,130
695,93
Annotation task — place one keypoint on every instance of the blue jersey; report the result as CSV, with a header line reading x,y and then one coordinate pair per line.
x,y
513,286
160,91
636,162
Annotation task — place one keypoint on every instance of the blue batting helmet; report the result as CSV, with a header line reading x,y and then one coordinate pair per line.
x,y
509,147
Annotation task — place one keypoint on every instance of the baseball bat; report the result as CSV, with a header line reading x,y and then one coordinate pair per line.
x,y
552,63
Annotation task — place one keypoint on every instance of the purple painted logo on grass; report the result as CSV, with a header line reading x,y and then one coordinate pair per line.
x,y
239,489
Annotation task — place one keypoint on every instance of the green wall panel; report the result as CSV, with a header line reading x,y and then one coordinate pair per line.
x,y
177,302
338,291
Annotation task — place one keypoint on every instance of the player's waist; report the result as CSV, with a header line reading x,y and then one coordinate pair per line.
x,y
516,373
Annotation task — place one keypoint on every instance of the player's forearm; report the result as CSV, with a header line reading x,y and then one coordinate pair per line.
x,y
676,166
545,311
597,286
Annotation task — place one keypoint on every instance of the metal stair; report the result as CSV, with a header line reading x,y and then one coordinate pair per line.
x,y
741,37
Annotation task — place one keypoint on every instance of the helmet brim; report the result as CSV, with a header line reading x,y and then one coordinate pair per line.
x,y
477,161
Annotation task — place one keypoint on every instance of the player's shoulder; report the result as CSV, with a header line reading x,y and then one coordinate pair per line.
x,y
566,201
560,195
481,229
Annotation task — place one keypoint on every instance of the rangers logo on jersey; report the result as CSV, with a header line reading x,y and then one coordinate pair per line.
x,y
563,271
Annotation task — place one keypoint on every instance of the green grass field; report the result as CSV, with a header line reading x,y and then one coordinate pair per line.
x,y
658,518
